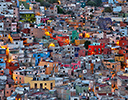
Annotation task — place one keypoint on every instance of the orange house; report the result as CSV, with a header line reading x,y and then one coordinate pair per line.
x,y
51,66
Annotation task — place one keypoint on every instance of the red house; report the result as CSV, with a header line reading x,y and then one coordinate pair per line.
x,y
123,42
62,40
96,48
124,52
82,52
26,30
13,65
107,50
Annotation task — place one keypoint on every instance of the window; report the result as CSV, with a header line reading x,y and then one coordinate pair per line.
x,y
20,78
45,83
112,66
16,77
48,65
41,85
35,85
7,91
3,52
51,85
126,80
89,48
11,91
9,85
99,49
16,42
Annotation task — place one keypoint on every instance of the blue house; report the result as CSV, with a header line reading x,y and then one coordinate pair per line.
x,y
2,63
38,57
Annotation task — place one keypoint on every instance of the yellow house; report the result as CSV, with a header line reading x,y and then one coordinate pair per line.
x,y
119,57
78,42
44,84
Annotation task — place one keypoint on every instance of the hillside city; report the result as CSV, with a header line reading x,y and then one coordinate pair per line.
x,y
63,49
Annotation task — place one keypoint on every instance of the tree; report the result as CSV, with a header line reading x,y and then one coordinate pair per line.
x,y
91,16
52,1
86,44
98,2
91,10
91,3
47,1
46,4
60,10
108,9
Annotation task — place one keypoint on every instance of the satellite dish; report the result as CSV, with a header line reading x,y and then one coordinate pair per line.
x,y
84,71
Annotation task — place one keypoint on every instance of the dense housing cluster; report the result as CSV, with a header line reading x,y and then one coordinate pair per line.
x,y
63,50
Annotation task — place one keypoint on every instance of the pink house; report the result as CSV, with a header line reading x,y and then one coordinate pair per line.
x,y
14,27
76,65
65,65
73,65
9,89
82,52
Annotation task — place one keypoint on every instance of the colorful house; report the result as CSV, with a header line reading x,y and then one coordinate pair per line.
x,y
51,67
119,57
96,48
123,42
62,40
76,65
107,50
73,65
37,82
82,52
111,64
2,63
38,57
13,65
75,36
27,15
14,28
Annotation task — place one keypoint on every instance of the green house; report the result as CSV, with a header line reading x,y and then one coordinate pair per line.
x,y
75,36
